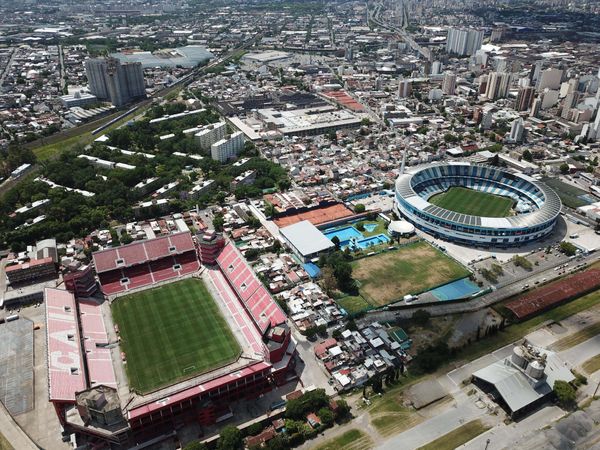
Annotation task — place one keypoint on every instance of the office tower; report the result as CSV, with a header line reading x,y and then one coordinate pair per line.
x,y
524,98
497,85
550,78
112,81
404,88
449,84
569,102
486,120
463,41
436,68
516,130
226,149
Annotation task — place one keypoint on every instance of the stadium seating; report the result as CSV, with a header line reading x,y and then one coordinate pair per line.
x,y
146,262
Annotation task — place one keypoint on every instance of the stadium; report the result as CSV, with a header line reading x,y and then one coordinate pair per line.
x,y
185,329
476,205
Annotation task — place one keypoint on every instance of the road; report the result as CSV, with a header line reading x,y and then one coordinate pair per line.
x,y
8,66
405,36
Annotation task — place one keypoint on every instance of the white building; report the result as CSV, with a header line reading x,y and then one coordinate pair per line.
x,y
516,130
210,134
227,148
463,41
449,84
550,78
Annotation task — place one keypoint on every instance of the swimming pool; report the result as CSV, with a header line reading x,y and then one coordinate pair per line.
x,y
351,237
457,289
371,241
344,234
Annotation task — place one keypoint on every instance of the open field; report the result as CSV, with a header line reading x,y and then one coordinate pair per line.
x,y
172,333
389,416
472,202
569,194
458,437
418,267
577,338
592,365
350,440
353,304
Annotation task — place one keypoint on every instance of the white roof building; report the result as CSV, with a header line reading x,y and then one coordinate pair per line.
x,y
306,240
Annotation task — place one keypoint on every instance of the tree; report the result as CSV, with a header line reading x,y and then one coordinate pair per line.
x,y
567,248
336,242
421,317
527,156
343,409
564,168
328,280
326,416
565,394
230,439
195,445
359,208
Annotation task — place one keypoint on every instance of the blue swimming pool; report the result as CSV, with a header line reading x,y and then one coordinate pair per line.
x,y
344,234
351,237
371,241
457,289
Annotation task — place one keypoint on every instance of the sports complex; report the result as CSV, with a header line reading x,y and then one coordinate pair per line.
x,y
477,205
186,328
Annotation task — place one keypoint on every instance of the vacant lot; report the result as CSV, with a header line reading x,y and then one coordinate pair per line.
x,y
458,437
472,202
577,338
592,365
418,267
353,304
350,440
171,333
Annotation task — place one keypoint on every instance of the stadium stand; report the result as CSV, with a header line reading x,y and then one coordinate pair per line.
x,y
265,312
144,263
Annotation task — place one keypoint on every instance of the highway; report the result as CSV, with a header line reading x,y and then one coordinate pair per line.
x,y
405,36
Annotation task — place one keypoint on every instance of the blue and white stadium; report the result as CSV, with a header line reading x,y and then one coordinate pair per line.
x,y
536,209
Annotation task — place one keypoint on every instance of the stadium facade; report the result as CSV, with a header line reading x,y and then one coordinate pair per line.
x,y
86,378
536,206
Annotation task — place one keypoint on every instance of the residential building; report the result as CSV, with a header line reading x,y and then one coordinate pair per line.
x,y
226,149
112,81
463,41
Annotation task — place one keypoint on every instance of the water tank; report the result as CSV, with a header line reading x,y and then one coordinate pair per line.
x,y
518,357
535,370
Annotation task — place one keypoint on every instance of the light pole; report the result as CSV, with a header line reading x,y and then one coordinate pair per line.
x,y
487,443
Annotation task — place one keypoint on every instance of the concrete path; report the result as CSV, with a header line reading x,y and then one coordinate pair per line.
x,y
13,433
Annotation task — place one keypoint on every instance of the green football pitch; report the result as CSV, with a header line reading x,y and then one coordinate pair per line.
x,y
171,333
475,203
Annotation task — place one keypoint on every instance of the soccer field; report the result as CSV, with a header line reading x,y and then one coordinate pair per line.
x,y
475,203
418,267
171,333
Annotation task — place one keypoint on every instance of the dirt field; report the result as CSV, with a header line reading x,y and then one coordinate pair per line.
x,y
418,267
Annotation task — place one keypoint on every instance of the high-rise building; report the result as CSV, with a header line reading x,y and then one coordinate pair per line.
x,y
449,84
497,85
210,134
115,82
436,68
525,98
404,88
536,106
463,41
226,149
550,78
516,130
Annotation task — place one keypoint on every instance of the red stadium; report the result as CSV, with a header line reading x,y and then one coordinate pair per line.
x,y
87,384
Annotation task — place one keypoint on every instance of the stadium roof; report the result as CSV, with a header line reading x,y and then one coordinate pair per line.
x,y
142,251
549,209
65,368
306,238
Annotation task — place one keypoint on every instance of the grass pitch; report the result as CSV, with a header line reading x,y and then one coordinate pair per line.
x,y
475,203
172,333
412,269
